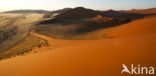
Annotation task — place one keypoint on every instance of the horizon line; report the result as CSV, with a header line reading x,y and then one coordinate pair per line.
x,y
76,7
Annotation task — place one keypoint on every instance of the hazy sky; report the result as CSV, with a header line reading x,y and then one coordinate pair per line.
x,y
58,4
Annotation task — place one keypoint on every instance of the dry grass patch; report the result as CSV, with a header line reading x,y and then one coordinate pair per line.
x,y
24,47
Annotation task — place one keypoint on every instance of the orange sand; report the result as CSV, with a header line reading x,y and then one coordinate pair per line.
x,y
89,57
138,27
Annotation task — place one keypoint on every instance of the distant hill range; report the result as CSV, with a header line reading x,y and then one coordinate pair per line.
x,y
79,11
142,11
80,20
26,11
84,13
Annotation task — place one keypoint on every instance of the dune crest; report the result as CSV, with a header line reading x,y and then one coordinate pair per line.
x,y
139,27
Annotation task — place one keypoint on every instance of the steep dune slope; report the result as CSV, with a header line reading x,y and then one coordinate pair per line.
x,y
89,57
139,27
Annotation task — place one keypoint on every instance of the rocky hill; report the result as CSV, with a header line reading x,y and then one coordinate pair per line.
x,y
78,13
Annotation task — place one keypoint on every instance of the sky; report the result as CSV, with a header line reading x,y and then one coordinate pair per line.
x,y
93,4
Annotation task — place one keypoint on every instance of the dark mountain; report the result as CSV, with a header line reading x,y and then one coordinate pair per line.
x,y
26,11
50,14
73,14
78,13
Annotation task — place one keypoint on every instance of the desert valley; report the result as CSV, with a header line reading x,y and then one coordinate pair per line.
x,y
75,41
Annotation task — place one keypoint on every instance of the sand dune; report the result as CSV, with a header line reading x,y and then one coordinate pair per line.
x,y
91,58
134,43
145,11
139,27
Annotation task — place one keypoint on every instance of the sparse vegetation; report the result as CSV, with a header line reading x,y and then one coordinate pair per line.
x,y
14,35
7,32
25,46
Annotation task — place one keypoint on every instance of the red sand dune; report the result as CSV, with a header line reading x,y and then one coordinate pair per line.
x,y
89,57
145,11
142,11
138,27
